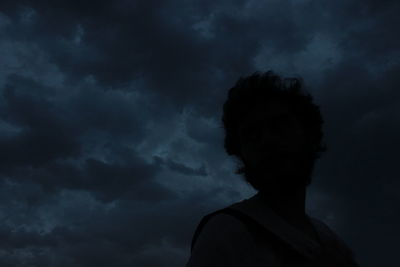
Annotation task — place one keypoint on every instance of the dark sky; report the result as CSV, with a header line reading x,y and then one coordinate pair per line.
x,y
111,143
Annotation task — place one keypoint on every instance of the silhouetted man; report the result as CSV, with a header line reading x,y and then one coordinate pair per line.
x,y
275,131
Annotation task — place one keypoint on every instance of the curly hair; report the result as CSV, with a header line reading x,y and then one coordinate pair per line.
x,y
258,89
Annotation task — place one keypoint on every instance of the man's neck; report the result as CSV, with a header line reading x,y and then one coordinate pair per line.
x,y
288,203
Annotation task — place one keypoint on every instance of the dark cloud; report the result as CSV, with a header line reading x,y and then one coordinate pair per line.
x,y
40,136
111,145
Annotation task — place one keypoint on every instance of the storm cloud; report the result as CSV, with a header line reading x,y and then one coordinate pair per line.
x,y
111,141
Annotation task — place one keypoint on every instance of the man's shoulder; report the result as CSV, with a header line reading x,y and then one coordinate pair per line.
x,y
225,240
221,227
224,219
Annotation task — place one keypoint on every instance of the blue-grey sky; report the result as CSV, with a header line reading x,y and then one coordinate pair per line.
x,y
111,141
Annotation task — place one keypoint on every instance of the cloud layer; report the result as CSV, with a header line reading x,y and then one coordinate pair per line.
x,y
111,143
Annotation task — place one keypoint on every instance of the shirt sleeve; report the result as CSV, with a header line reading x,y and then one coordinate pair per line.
x,y
225,241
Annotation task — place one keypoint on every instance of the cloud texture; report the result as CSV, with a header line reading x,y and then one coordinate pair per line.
x,y
111,146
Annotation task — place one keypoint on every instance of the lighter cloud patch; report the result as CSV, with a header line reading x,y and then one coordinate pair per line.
x,y
27,15
316,203
321,53
8,129
4,21
167,139
79,34
202,130
70,207
161,134
204,27
28,60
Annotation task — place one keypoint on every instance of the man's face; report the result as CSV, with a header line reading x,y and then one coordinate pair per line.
x,y
273,143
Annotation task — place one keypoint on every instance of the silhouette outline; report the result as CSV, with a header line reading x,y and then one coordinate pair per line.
x,y
274,130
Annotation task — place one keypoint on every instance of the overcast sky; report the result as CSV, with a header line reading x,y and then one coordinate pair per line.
x,y
111,141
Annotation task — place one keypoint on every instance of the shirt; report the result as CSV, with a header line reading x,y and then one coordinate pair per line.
x,y
250,234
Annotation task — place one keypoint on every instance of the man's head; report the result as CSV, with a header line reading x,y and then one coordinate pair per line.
x,y
274,129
